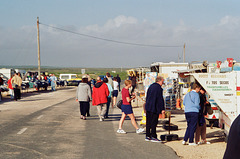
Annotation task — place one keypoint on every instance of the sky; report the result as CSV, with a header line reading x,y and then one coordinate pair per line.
x,y
118,33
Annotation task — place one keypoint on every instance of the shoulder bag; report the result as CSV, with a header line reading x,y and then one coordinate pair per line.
x,y
119,104
209,109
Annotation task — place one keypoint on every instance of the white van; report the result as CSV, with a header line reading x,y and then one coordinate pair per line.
x,y
71,79
67,76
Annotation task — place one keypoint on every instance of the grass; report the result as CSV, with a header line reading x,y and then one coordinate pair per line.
x,y
93,72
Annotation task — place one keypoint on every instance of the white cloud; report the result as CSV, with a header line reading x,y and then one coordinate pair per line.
x,y
120,21
66,49
229,20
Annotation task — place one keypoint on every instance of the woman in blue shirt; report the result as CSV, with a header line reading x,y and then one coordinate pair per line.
x,y
191,102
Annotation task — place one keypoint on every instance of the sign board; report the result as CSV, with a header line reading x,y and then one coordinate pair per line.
x,y
149,79
83,71
222,88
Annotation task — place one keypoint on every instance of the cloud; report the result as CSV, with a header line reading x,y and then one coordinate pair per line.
x,y
58,48
120,21
229,20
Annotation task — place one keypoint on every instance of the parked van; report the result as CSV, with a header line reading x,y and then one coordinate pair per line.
x,y
72,79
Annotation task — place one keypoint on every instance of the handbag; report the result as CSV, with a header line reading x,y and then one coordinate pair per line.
x,y
209,109
14,85
119,104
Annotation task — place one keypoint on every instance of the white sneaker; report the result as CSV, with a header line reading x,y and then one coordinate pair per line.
x,y
184,142
204,142
101,119
140,130
121,131
193,144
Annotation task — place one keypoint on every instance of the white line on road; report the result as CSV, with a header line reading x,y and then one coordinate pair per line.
x,y
22,131
40,117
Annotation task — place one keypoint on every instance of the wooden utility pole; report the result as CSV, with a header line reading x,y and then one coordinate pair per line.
x,y
38,38
184,53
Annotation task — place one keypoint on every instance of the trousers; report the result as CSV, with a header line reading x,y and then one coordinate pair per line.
x,y
17,93
83,107
151,124
192,119
200,131
108,105
102,108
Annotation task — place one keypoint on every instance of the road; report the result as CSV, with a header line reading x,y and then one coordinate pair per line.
x,y
47,125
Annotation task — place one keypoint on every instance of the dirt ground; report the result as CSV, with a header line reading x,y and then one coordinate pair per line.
x,y
215,135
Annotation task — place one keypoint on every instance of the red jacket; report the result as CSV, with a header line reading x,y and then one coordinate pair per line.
x,y
100,93
10,84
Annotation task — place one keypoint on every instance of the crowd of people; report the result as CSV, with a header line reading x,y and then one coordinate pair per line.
x,y
100,92
14,84
103,92
107,89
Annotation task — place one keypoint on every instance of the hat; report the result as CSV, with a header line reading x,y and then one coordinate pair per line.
x,y
84,76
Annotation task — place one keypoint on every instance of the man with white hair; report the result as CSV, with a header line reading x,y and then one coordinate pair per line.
x,y
154,106
99,97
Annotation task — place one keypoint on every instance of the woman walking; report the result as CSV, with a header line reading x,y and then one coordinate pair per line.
x,y
191,103
127,109
105,80
84,96
115,91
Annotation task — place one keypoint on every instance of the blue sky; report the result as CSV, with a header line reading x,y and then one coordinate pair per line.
x,y
210,30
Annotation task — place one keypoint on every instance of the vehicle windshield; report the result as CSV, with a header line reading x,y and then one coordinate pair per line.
x,y
65,77
73,77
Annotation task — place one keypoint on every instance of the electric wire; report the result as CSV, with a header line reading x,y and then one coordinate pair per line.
x,y
109,40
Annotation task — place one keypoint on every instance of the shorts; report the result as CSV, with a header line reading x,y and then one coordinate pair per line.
x,y
127,109
115,93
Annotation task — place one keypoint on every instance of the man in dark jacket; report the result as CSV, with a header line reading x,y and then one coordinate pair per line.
x,y
233,144
154,106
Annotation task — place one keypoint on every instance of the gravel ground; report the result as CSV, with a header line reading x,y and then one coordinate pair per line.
x,y
213,151
215,135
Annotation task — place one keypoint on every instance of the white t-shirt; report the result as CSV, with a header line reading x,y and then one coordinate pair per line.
x,y
115,85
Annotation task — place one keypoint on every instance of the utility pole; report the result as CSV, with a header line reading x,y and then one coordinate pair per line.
x,y
184,46
38,38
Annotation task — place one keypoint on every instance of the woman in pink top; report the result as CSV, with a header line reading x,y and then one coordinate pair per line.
x,y
127,109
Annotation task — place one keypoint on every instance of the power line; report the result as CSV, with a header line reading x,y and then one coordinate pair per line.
x,y
105,39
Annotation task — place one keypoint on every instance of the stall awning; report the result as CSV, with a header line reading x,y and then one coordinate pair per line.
x,y
187,71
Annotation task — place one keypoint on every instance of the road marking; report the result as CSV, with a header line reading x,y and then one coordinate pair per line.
x,y
22,131
40,117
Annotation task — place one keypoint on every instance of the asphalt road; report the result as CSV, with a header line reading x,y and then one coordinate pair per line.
x,y
47,125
